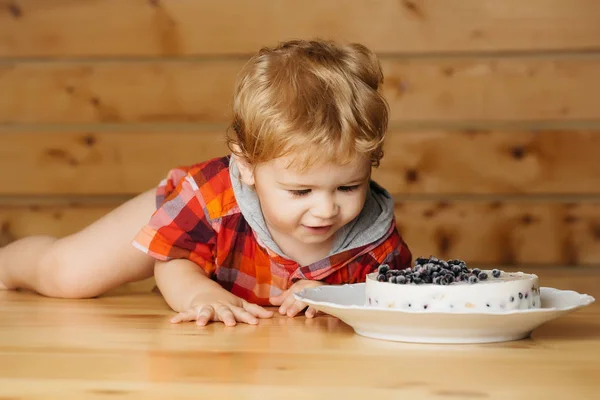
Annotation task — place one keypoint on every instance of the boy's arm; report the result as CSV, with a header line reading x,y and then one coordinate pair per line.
x,y
189,291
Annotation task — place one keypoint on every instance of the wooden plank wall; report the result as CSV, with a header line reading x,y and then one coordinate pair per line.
x,y
494,147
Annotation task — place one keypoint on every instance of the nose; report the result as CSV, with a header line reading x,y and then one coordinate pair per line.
x,y
325,207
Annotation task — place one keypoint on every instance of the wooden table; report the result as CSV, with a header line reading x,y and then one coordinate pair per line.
x,y
122,346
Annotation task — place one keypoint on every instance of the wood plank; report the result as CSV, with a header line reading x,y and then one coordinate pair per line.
x,y
415,162
41,28
117,92
484,233
491,162
487,89
100,163
433,90
504,232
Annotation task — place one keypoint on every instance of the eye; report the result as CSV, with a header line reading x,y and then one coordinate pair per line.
x,y
348,188
299,193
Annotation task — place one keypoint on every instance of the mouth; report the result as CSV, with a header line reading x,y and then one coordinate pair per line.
x,y
318,229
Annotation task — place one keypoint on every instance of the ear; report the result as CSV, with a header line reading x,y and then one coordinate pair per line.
x,y
246,170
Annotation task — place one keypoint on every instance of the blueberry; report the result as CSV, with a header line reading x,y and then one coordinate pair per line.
x,y
421,260
401,279
434,260
450,278
392,279
381,278
437,280
476,271
473,279
496,273
456,269
458,262
482,276
384,268
520,295
417,281
444,264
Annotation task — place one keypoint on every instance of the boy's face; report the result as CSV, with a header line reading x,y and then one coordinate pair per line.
x,y
307,208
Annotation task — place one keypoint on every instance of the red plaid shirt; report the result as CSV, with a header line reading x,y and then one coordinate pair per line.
x,y
198,218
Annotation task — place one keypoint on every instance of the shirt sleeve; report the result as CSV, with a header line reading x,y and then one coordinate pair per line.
x,y
180,229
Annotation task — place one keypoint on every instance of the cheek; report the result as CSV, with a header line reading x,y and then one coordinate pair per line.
x,y
354,205
280,209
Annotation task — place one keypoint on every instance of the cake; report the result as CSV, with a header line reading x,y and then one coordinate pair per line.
x,y
450,286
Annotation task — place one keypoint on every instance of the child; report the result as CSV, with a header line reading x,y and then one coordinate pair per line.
x,y
292,207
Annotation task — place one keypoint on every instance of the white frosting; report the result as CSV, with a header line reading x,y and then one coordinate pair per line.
x,y
510,291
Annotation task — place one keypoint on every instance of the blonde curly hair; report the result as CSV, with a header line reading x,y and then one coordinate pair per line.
x,y
315,100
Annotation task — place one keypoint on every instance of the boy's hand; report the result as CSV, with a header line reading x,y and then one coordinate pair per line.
x,y
289,305
221,306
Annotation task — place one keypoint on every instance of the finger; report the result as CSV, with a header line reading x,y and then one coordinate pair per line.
x,y
204,315
184,316
311,312
278,300
257,310
224,313
285,306
295,308
242,315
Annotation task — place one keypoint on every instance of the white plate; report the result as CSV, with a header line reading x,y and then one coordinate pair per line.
x,y
347,303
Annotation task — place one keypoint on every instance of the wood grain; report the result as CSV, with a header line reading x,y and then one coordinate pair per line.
x,y
161,91
484,233
75,28
429,89
416,162
503,232
99,162
122,345
491,162
492,89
